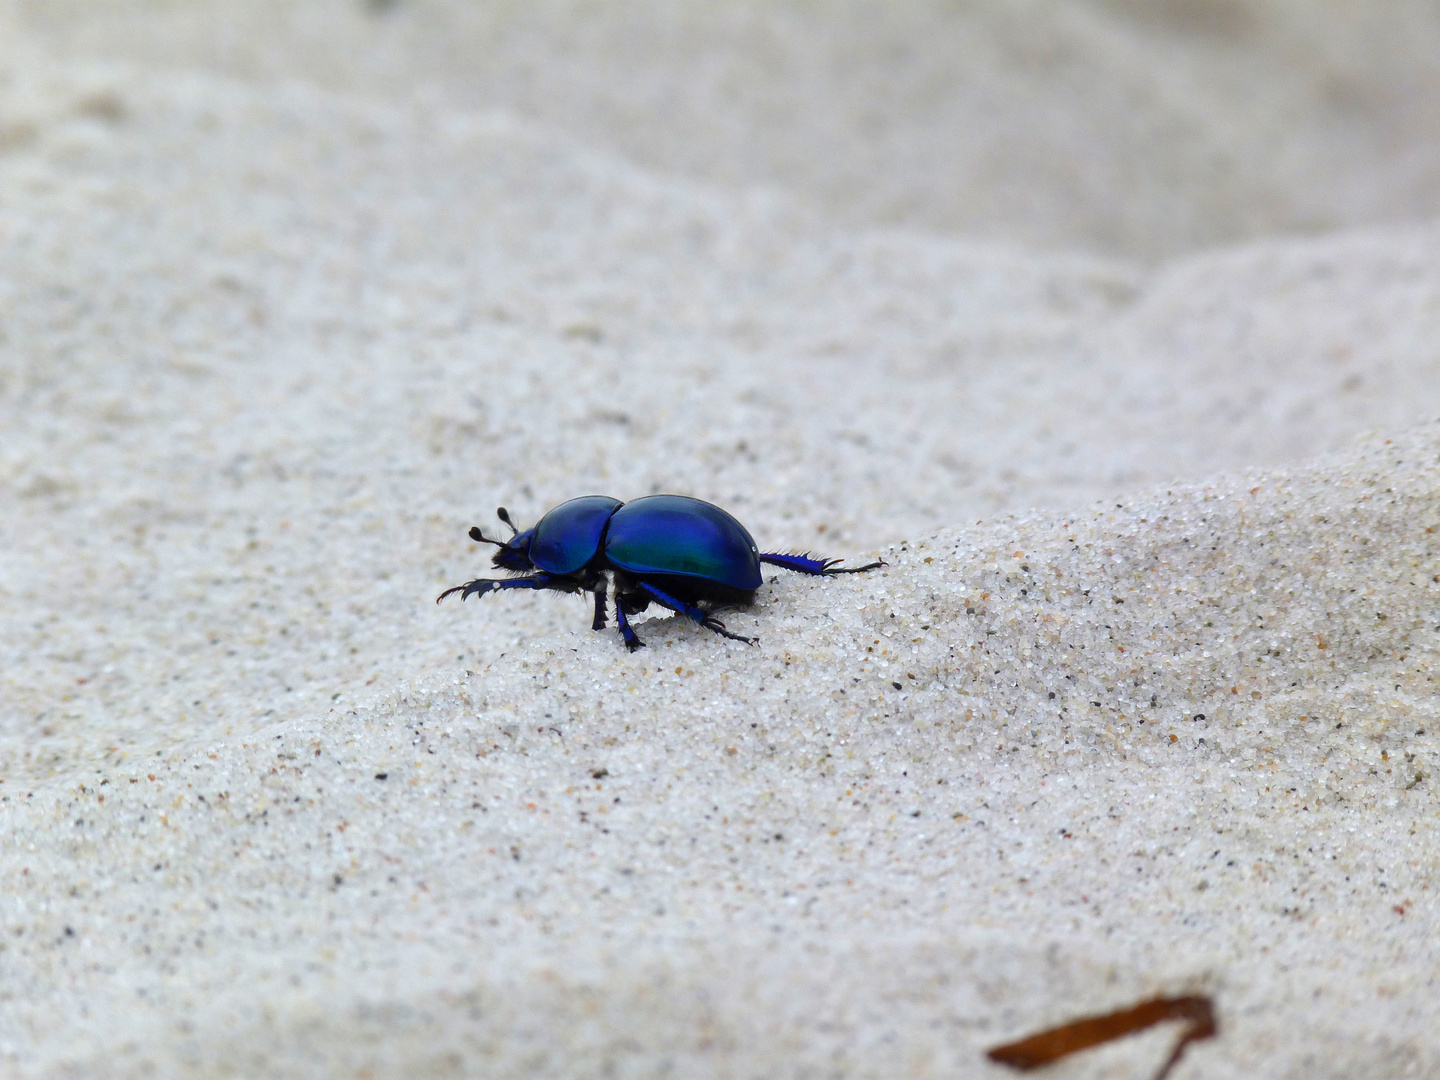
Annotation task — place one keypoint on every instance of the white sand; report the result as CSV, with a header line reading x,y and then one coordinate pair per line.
x,y
291,298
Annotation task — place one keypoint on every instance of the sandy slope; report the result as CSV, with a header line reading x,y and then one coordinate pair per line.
x,y
270,345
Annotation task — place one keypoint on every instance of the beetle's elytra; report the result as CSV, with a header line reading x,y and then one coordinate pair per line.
x,y
681,553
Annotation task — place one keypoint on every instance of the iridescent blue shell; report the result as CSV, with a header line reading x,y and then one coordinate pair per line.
x,y
569,536
677,535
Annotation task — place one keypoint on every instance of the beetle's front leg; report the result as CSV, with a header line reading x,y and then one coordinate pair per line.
x,y
481,586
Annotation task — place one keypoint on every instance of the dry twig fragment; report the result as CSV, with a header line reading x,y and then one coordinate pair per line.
x,y
1047,1046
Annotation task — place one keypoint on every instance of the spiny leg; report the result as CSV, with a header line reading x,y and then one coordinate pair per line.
x,y
704,618
632,642
808,564
481,586
599,623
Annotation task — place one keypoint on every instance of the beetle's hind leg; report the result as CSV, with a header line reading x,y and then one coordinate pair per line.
x,y
700,615
599,623
808,564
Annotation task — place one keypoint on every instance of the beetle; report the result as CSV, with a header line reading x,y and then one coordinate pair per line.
x,y
684,554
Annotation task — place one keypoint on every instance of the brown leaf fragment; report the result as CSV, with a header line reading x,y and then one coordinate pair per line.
x,y
1058,1042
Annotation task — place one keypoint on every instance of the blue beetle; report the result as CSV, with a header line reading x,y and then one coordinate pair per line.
x,y
671,550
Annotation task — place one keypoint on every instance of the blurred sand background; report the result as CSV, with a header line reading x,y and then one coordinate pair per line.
x,y
1113,326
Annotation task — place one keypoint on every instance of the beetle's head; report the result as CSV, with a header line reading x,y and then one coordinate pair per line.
x,y
514,554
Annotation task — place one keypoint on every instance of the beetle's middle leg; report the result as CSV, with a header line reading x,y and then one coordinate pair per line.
x,y
632,640
701,616
628,601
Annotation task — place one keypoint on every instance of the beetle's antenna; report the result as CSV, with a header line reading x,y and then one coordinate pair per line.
x,y
504,515
481,538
